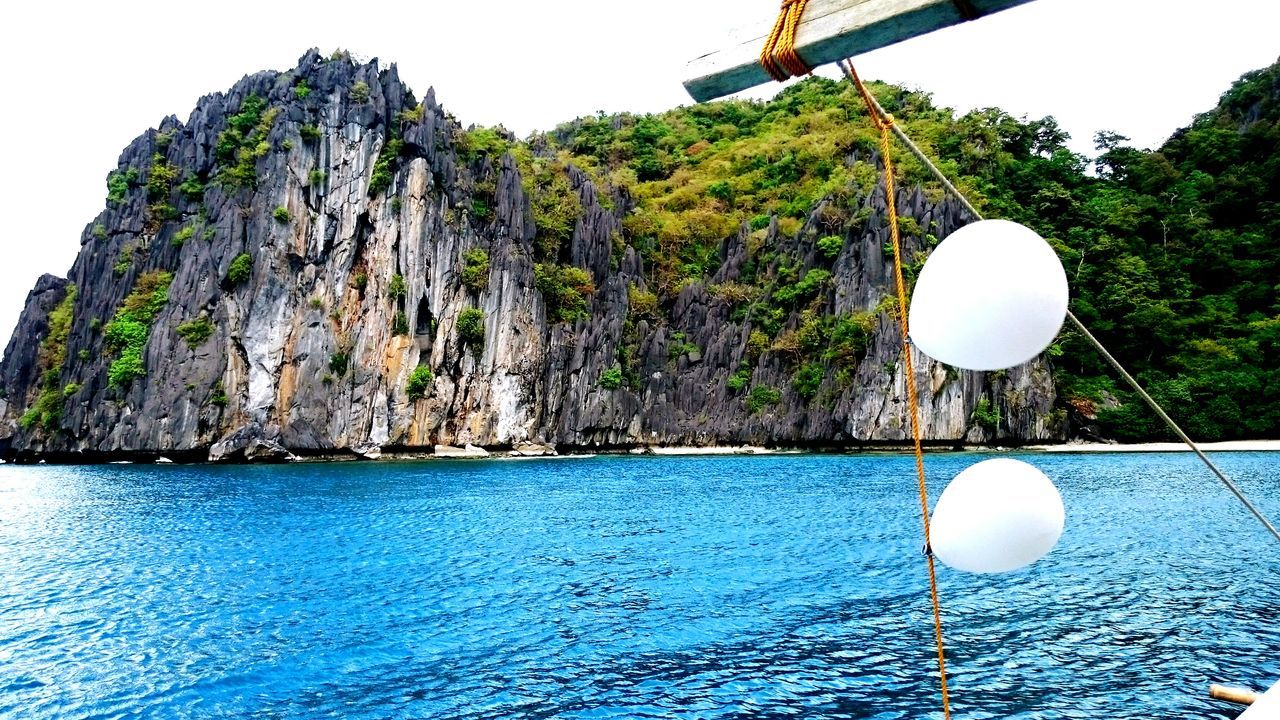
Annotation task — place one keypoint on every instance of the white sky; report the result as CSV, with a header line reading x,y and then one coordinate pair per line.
x,y
85,79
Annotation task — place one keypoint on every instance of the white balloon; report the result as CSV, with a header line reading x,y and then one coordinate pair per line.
x,y
996,516
993,295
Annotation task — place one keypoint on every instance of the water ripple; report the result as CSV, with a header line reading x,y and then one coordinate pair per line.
x,y
743,587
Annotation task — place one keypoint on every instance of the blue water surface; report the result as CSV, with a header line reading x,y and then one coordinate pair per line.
x,y
619,587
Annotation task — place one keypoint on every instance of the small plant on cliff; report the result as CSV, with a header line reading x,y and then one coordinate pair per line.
x,y
309,133
396,289
159,213
985,415
301,90
218,397
240,269
338,363
191,188
565,289
182,236
195,332
808,379
642,305
400,324
830,246
733,293
419,382
806,288
116,187
160,178
762,396
849,337
679,346
360,91
281,214
316,179
384,168
119,183
411,115
480,142
611,379
125,260
475,269
471,326
125,368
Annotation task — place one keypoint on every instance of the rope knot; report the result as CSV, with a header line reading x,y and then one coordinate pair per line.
x,y
779,57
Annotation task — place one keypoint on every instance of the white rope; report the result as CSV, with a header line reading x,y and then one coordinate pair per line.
x,y
847,67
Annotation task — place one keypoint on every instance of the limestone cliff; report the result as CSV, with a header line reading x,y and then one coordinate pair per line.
x,y
281,263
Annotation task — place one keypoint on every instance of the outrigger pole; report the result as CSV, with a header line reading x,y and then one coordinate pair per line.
x,y
831,30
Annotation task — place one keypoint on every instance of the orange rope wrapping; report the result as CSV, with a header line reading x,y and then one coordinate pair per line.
x,y
779,57
885,124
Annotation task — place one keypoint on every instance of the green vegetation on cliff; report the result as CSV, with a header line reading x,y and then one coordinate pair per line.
x,y
46,412
1173,255
243,142
471,327
419,382
127,333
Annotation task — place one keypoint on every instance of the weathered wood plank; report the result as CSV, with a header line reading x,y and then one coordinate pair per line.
x,y
830,30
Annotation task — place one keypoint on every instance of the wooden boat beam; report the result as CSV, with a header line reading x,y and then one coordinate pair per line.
x,y
832,30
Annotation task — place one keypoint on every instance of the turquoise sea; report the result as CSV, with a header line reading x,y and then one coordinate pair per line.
x,y
620,587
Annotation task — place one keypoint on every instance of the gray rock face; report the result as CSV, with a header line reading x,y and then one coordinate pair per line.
x,y
251,443
306,356
368,450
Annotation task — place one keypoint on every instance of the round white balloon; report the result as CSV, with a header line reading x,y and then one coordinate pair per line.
x,y
992,295
996,516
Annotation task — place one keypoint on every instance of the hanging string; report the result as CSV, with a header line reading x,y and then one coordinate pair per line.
x,y
779,57
885,123
879,114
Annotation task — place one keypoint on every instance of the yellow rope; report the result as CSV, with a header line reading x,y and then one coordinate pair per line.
x,y
924,159
779,57
885,123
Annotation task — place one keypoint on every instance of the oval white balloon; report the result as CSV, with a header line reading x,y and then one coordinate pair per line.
x,y
993,295
996,516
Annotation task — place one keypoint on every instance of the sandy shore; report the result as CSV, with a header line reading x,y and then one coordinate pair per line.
x,y
1229,446
714,450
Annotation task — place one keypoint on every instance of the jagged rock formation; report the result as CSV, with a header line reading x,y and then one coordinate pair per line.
x,y
300,299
